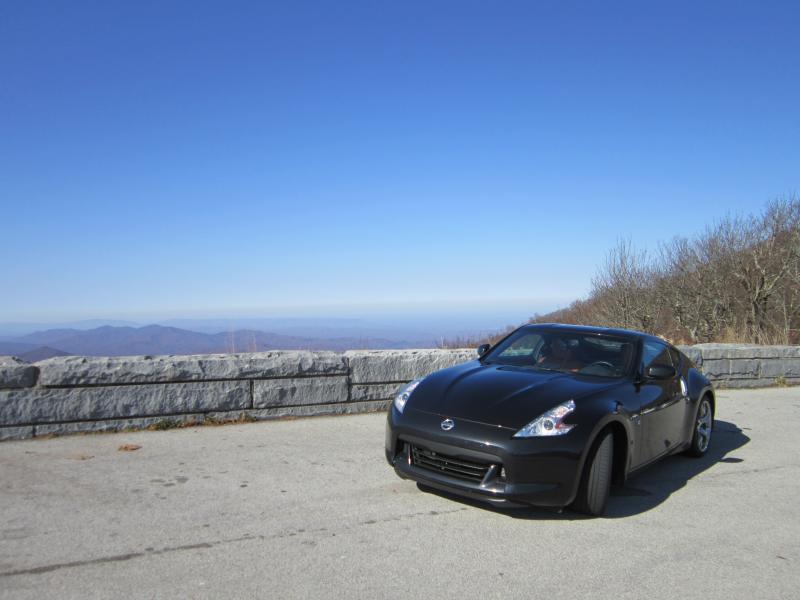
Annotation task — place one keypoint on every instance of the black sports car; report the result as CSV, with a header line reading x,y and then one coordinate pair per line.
x,y
550,416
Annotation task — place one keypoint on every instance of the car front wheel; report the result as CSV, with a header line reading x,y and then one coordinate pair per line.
x,y
596,479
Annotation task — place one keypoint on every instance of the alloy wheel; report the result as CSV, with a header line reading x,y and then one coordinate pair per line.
x,y
704,425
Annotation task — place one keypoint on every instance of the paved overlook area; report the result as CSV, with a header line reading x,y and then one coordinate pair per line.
x,y
307,508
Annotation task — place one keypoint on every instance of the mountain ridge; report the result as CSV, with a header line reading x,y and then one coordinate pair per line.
x,y
109,340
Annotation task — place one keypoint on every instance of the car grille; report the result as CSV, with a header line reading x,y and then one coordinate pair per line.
x,y
447,465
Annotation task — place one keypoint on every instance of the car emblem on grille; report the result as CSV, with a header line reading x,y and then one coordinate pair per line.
x,y
448,424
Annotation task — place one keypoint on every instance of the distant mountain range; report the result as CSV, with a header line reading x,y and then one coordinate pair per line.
x,y
157,339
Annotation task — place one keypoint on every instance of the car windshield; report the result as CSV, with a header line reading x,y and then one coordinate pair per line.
x,y
564,351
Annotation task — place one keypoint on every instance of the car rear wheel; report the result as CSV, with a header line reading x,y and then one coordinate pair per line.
x,y
703,426
595,483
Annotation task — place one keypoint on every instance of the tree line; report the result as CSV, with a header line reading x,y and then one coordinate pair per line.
x,y
737,281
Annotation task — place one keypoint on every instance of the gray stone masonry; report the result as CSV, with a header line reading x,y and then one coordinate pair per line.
x,y
15,373
81,371
79,394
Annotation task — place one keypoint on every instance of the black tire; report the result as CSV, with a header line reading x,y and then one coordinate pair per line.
x,y
702,428
595,485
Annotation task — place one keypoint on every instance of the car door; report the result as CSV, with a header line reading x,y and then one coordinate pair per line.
x,y
682,368
662,404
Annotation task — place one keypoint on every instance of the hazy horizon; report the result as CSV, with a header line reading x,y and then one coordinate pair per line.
x,y
419,328
449,320
302,311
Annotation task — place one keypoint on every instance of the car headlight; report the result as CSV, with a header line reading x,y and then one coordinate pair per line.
x,y
550,423
404,393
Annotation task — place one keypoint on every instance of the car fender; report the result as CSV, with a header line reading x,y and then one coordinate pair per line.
x,y
607,413
698,386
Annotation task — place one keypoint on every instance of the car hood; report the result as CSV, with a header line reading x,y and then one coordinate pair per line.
x,y
501,395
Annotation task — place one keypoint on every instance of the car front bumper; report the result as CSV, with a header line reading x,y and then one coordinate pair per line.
x,y
484,462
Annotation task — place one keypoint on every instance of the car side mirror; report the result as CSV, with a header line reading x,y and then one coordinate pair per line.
x,y
660,372
483,349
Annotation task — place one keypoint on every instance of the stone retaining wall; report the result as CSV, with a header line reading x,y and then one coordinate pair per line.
x,y
747,365
74,394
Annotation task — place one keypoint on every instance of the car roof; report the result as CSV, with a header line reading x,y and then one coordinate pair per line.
x,y
602,331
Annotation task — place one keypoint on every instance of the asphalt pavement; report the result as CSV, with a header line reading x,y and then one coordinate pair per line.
x,y
309,508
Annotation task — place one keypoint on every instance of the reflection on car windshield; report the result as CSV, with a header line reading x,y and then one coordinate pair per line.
x,y
565,352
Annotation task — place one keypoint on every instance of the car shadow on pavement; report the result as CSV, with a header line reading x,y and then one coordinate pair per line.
x,y
644,490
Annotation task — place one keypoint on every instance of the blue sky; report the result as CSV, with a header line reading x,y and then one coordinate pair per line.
x,y
168,158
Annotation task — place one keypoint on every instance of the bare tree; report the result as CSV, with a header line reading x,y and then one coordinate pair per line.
x,y
767,258
739,280
623,289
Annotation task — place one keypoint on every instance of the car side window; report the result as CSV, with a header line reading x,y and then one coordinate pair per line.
x,y
676,358
655,354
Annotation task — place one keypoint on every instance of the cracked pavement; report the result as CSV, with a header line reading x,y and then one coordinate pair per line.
x,y
309,508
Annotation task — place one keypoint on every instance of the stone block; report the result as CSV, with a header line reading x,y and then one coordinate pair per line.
x,y
16,433
693,353
54,405
15,373
722,351
85,371
752,383
113,424
745,367
294,392
313,410
385,366
781,367
716,367
375,391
